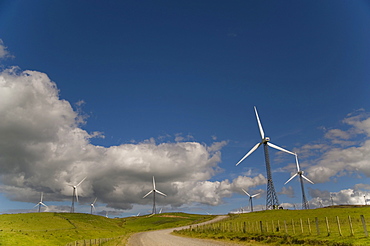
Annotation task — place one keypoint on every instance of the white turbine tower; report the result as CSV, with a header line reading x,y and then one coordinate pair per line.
x,y
272,201
75,194
250,198
154,190
301,177
40,203
92,205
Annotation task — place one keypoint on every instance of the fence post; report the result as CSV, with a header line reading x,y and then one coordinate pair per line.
x,y
350,225
267,226
338,222
301,225
327,225
317,226
293,227
273,226
309,226
286,229
364,225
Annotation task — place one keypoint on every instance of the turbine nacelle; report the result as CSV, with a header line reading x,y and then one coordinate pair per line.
x,y
265,140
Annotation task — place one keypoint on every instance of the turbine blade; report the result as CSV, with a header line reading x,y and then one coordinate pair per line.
x,y
81,181
76,194
259,124
291,178
160,193
153,183
94,201
279,148
43,204
36,205
250,152
42,195
148,193
246,192
255,195
296,161
307,179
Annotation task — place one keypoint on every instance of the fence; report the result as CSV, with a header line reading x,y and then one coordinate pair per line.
x,y
327,226
88,242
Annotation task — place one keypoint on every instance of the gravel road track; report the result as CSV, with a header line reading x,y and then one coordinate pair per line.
x,y
165,238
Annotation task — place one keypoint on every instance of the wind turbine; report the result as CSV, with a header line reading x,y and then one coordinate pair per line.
x,y
92,205
301,177
250,198
75,194
272,201
40,203
154,190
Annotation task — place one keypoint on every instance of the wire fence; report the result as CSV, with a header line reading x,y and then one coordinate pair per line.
x,y
88,242
327,226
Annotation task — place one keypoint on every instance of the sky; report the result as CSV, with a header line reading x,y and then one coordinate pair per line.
x,y
121,91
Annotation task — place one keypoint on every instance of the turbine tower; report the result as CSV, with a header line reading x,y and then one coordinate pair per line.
x,y
301,177
75,194
40,203
92,205
154,190
272,201
250,198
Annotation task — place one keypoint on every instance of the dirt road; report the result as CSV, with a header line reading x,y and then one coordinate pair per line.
x,y
165,238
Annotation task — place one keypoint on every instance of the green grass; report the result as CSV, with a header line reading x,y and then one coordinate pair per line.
x,y
62,228
285,227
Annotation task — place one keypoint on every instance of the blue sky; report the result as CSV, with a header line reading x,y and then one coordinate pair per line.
x,y
120,91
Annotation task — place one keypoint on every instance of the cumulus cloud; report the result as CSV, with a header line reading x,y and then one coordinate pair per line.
x,y
345,152
4,53
350,196
43,148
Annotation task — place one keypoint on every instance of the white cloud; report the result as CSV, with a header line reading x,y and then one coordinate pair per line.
x,y
3,50
347,152
44,148
343,197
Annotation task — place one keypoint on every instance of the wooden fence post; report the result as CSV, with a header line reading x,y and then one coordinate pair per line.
x,y
364,225
293,227
350,225
309,226
338,222
286,229
327,225
317,226
301,225
261,226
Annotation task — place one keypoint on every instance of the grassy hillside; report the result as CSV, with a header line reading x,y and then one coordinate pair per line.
x,y
324,226
62,228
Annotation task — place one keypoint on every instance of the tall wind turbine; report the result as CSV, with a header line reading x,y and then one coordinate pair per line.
x,y
250,198
75,194
92,205
272,201
40,203
301,177
154,190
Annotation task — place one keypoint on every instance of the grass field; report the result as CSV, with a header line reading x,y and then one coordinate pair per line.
x,y
338,225
62,228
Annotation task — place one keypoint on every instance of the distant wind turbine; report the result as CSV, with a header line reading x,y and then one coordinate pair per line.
x,y
250,198
40,203
301,177
92,205
272,201
154,190
75,194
